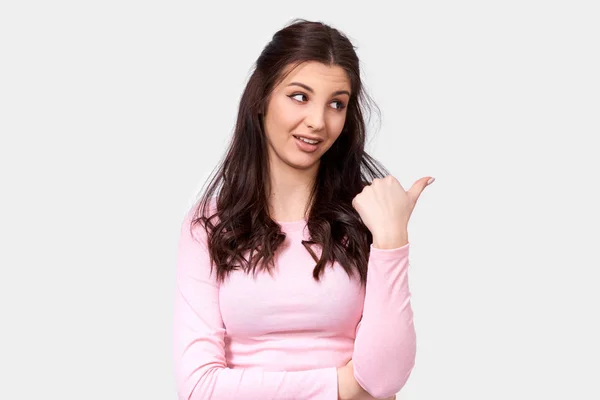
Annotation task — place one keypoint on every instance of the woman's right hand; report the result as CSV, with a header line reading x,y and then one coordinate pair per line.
x,y
348,387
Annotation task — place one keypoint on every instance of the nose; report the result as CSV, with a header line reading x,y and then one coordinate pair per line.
x,y
315,119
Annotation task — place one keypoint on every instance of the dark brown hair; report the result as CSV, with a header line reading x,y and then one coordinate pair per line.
x,y
242,223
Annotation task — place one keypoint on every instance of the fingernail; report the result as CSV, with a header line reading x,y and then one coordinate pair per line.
x,y
430,181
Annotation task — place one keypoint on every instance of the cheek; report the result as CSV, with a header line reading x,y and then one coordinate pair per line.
x,y
335,128
339,126
286,118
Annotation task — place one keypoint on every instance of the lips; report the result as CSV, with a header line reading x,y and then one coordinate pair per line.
x,y
306,147
309,138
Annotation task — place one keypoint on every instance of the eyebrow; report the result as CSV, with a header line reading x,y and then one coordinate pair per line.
x,y
312,91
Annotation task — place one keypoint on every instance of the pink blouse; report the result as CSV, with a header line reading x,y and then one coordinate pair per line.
x,y
282,336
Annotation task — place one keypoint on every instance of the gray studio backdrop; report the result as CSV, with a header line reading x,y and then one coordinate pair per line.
x,y
113,113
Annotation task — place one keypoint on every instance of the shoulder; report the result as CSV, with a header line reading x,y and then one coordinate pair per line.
x,y
190,220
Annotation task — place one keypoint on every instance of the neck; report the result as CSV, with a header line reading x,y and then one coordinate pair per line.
x,y
289,191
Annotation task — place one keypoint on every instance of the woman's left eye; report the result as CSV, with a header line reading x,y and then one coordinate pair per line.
x,y
341,105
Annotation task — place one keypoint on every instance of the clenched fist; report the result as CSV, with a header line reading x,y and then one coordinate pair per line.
x,y
385,209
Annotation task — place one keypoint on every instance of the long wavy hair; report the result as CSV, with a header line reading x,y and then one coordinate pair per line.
x,y
234,211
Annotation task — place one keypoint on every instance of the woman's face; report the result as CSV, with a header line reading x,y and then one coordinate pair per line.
x,y
311,103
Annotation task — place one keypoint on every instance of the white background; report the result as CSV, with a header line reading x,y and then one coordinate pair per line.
x,y
113,114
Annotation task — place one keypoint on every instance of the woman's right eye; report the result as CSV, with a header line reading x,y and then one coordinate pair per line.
x,y
297,94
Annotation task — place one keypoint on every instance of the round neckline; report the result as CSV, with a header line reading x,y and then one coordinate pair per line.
x,y
292,225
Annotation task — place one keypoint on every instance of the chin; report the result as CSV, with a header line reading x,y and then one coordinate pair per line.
x,y
303,162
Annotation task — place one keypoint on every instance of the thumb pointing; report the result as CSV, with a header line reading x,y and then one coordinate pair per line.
x,y
418,187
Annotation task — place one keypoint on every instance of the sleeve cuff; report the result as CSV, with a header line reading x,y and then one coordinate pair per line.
x,y
390,253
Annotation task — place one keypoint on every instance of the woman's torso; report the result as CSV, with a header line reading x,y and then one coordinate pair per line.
x,y
289,321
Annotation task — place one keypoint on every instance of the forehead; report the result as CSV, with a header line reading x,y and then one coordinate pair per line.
x,y
318,76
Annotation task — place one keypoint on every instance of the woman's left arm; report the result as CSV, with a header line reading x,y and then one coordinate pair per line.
x,y
385,345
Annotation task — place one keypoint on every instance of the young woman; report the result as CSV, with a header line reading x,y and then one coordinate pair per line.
x,y
292,268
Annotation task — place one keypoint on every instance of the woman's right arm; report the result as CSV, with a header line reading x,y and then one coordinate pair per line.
x,y
201,371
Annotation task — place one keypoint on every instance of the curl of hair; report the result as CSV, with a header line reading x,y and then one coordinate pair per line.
x,y
234,211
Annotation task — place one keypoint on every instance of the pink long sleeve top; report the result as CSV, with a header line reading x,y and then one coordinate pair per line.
x,y
282,337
